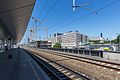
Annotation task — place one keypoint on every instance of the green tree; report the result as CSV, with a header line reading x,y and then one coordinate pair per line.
x,y
57,45
114,41
95,41
107,41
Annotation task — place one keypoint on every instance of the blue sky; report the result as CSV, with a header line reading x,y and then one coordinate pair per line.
x,y
57,15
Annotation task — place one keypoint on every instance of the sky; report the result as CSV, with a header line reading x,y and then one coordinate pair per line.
x,y
58,16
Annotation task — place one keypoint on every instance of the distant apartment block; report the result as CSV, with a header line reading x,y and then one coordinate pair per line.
x,y
98,38
71,39
57,38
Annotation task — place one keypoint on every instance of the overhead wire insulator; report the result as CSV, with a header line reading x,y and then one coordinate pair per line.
x,y
83,6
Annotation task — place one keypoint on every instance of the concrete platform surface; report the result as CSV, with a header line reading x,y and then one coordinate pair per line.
x,y
20,67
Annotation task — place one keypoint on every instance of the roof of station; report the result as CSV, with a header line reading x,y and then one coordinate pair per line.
x,y
14,17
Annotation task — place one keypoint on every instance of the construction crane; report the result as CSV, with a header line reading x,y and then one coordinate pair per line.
x,y
83,6
33,30
46,33
33,33
36,20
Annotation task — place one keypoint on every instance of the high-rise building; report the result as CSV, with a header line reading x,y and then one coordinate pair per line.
x,y
70,39
57,38
101,35
73,39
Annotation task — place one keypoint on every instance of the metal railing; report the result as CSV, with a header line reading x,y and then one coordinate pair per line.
x,y
79,51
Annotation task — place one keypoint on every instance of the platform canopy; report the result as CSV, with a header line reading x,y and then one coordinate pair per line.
x,y
14,18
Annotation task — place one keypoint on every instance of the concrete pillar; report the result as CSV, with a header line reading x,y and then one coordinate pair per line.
x,y
3,44
60,50
78,52
72,51
100,53
89,53
83,52
63,50
0,47
68,51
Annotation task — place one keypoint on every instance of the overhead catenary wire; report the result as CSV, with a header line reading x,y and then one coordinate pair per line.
x,y
83,6
73,21
92,13
82,17
37,18
50,9
44,6
40,13
65,19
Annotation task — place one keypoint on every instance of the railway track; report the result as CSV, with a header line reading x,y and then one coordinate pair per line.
x,y
98,70
106,64
57,71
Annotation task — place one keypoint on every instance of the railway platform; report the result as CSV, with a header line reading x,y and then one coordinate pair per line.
x,y
19,66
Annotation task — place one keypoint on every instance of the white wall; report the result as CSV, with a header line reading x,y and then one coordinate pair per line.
x,y
111,55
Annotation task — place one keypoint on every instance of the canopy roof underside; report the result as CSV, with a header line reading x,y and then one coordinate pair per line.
x,y
14,18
